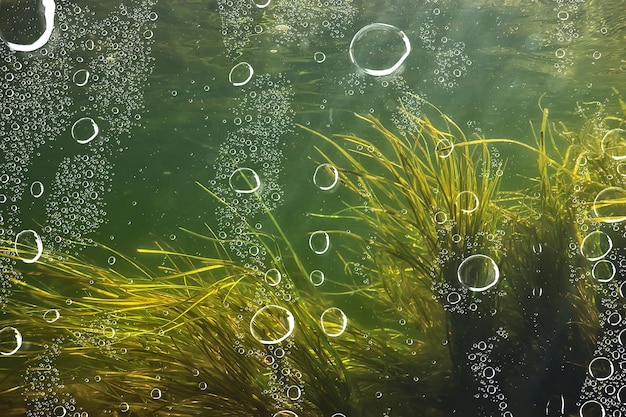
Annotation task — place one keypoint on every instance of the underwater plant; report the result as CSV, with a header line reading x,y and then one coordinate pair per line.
x,y
487,300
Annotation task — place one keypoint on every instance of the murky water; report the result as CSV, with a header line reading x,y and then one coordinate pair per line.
x,y
183,234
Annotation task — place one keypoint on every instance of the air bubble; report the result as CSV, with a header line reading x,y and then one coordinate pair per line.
x,y
467,201
27,239
319,242
272,324
84,130
609,206
478,272
48,12
244,181
596,245
241,74
334,322
10,341
316,277
372,46
273,277
325,177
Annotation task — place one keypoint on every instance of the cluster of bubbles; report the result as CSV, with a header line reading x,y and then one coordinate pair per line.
x,y
75,91
452,61
303,20
247,169
101,333
567,15
42,376
238,24
486,371
76,205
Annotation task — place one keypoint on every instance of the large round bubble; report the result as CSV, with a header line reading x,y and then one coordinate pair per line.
x,y
379,49
478,272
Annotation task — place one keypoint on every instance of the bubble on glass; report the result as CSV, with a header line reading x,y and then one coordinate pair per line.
x,y
440,217
294,392
36,189
240,74
603,270
124,407
334,322
48,13
614,144
319,242
325,177
379,49
272,324
592,408
261,4
489,372
10,341
621,396
156,394
609,206
84,130
560,53
24,243
81,77
51,315
596,245
467,201
319,57
338,415
601,368
453,297
614,319
59,411
273,277
478,272
596,54
244,181
316,277
444,148
285,413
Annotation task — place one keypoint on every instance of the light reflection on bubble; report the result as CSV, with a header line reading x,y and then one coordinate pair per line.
x,y
81,77
467,201
11,341
603,271
596,245
326,177
272,324
319,242
334,322
24,240
84,130
372,45
319,57
478,272
316,277
52,315
240,74
609,206
592,408
244,181
273,277
36,189
48,12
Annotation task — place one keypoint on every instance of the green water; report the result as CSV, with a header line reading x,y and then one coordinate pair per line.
x,y
187,92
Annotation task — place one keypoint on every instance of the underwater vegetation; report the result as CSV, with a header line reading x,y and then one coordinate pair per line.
x,y
494,295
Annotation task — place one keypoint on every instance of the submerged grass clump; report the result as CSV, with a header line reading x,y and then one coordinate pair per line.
x,y
488,298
